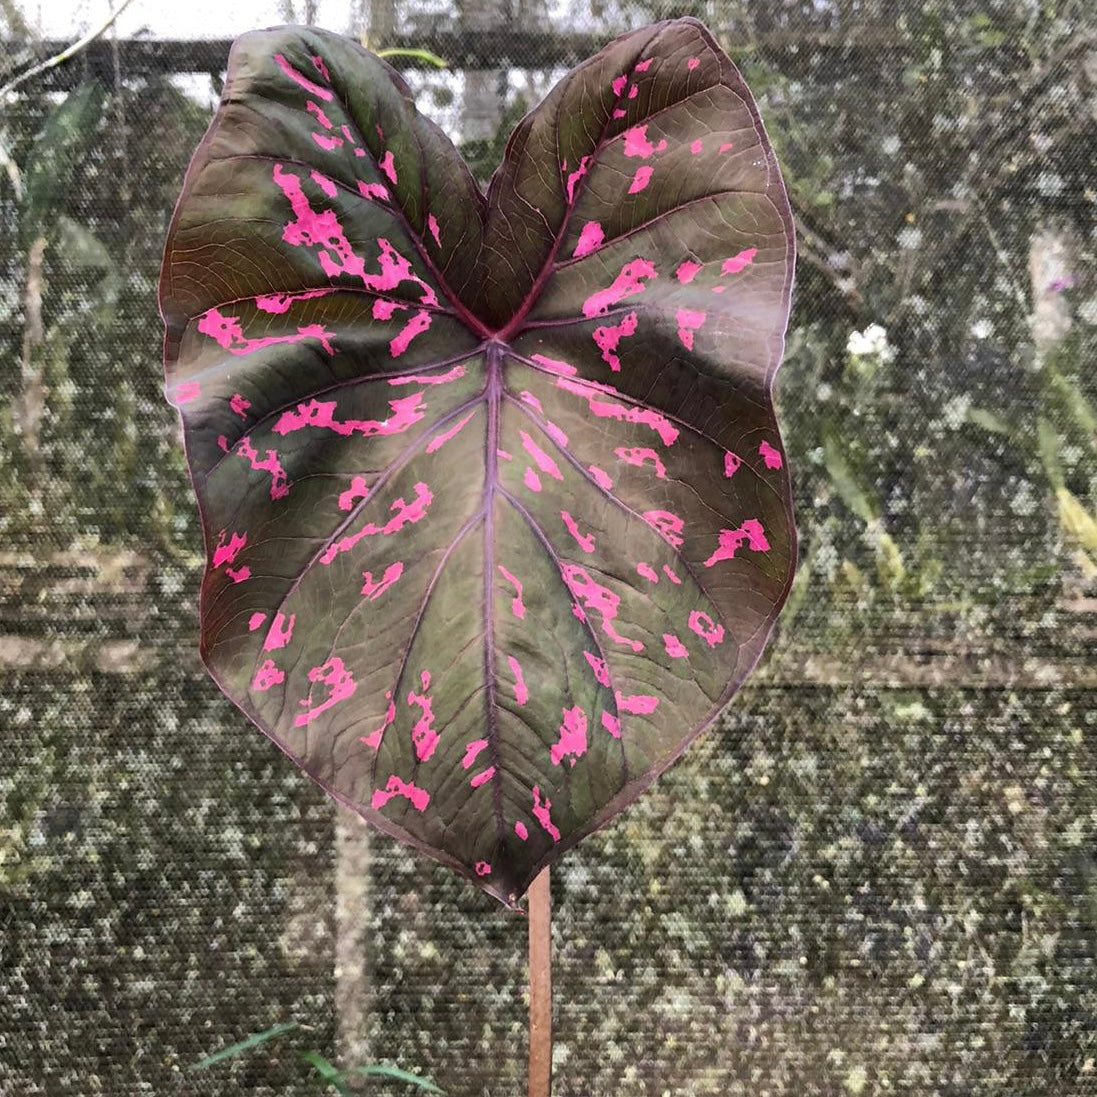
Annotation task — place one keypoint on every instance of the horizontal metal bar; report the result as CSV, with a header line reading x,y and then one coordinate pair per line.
x,y
506,47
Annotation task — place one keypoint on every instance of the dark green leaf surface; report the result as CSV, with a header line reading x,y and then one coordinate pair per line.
x,y
496,511
56,157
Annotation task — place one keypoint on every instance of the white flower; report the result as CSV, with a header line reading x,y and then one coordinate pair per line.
x,y
982,329
955,411
910,238
870,343
1049,184
1024,502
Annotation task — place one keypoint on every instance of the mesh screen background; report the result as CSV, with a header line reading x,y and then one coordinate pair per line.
x,y
876,874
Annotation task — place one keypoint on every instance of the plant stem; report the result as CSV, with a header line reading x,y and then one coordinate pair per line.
x,y
540,987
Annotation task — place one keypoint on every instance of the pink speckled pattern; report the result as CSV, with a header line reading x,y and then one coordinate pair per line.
x,y
497,511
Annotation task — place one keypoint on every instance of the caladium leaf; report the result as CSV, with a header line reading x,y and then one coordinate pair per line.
x,y
496,512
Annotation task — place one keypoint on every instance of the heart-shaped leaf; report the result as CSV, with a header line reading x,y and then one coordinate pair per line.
x,y
494,499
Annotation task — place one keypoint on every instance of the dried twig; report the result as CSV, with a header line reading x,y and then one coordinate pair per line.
x,y
66,54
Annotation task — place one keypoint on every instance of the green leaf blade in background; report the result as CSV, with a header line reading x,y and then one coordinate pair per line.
x,y
258,1039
